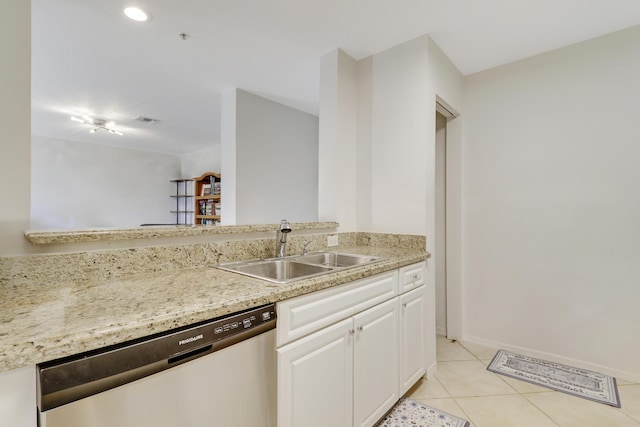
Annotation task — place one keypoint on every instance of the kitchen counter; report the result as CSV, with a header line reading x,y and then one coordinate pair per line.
x,y
42,321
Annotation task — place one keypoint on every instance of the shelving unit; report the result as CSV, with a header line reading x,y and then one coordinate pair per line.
x,y
184,208
207,198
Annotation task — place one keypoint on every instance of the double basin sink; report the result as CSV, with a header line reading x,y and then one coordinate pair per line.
x,y
291,268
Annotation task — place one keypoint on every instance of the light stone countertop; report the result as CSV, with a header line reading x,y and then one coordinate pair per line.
x,y
44,237
43,321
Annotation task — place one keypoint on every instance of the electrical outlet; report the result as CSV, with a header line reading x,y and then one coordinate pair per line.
x,y
332,241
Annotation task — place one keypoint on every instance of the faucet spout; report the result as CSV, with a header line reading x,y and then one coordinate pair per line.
x,y
281,238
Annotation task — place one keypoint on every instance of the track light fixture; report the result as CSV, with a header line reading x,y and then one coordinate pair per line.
x,y
97,124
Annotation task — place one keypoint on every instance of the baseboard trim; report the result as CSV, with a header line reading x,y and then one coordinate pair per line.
x,y
552,357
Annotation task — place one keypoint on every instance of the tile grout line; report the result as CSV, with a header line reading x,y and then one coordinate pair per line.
x,y
466,415
524,395
499,376
512,387
627,385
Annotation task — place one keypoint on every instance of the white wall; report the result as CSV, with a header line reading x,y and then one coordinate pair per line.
x,y
395,106
406,81
337,192
276,162
551,253
228,154
82,185
364,173
198,162
402,138
15,123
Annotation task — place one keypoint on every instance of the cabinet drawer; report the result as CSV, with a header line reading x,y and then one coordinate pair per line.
x,y
411,277
305,314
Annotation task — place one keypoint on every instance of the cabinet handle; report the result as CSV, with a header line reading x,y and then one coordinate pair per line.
x,y
415,276
404,305
360,328
351,332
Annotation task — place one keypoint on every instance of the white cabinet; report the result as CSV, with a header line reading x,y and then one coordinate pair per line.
x,y
315,386
342,330
375,363
343,375
347,354
411,277
302,315
412,328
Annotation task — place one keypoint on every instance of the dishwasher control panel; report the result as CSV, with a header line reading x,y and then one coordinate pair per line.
x,y
227,327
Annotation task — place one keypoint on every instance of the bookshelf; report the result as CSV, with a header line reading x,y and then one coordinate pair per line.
x,y
184,206
207,198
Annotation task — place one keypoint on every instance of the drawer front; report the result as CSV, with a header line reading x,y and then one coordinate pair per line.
x,y
305,314
411,277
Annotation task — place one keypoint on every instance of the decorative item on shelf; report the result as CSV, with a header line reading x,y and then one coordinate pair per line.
x,y
206,190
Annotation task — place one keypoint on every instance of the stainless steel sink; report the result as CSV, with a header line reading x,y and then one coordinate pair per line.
x,y
289,269
334,259
277,270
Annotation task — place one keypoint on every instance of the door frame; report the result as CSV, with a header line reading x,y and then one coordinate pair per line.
x,y
453,216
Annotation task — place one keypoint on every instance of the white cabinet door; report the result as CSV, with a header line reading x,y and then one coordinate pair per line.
x,y
315,375
412,337
375,364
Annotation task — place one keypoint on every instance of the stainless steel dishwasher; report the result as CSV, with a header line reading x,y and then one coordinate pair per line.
x,y
220,373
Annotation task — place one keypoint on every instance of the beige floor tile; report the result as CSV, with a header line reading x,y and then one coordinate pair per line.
x,y
523,386
486,362
447,405
630,400
503,411
571,411
622,381
480,351
428,389
470,378
447,351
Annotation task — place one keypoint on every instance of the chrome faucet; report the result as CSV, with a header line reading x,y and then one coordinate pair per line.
x,y
304,248
281,237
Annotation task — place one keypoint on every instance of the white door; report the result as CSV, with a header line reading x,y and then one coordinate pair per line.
x,y
375,364
412,333
315,375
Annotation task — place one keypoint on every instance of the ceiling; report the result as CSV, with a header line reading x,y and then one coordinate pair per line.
x,y
88,58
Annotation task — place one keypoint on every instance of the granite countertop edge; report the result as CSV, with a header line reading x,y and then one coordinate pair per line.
x,y
74,318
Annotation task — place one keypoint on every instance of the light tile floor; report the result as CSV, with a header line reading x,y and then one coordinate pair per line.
x,y
463,387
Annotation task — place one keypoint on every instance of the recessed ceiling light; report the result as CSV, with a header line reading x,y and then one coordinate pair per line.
x,y
136,14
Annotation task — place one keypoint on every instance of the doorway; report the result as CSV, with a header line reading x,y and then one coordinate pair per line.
x,y
440,238
447,222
